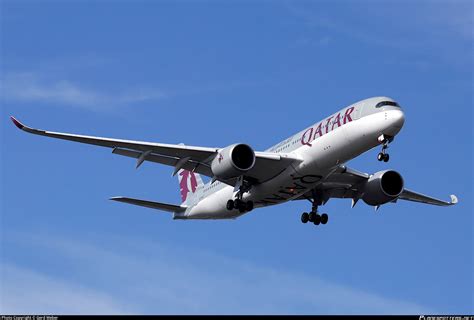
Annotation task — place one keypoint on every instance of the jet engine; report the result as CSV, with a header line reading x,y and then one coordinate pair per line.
x,y
233,161
382,187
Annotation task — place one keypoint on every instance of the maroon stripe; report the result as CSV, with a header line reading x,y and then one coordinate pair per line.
x,y
17,123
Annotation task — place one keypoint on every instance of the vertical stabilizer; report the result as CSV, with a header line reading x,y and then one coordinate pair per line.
x,y
190,186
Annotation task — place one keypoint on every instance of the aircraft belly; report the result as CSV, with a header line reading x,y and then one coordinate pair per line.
x,y
286,186
214,206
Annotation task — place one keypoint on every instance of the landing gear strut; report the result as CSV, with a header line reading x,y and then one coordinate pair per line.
x,y
238,203
314,216
383,155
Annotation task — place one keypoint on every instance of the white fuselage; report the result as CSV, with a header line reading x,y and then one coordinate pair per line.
x,y
322,148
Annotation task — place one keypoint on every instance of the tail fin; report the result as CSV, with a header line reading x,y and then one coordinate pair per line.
x,y
190,185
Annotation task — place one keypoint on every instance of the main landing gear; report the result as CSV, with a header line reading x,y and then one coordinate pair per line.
x,y
239,204
383,155
314,216
242,206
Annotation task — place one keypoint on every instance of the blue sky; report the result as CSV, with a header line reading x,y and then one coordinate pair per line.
x,y
212,74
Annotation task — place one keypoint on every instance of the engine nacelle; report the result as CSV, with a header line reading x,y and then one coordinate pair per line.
x,y
233,161
382,187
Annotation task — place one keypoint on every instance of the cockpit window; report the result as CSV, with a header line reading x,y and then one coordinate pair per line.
x,y
387,103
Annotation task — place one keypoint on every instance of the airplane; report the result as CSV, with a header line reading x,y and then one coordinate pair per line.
x,y
309,165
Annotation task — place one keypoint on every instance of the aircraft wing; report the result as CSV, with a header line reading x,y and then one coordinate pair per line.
x,y
180,156
418,197
345,182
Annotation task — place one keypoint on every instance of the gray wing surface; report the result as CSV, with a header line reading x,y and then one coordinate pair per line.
x,y
418,197
197,159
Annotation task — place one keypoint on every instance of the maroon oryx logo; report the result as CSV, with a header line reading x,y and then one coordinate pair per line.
x,y
220,158
188,183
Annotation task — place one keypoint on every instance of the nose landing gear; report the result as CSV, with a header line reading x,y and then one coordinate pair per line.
x,y
383,155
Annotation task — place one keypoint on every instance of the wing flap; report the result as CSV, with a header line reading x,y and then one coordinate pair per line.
x,y
190,164
150,204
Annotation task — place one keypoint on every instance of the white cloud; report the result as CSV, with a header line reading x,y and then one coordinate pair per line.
x,y
24,291
29,87
453,17
151,277
419,21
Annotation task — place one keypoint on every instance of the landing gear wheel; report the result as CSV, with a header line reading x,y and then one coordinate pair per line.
x,y
385,140
230,204
317,219
304,217
237,204
324,218
311,216
249,206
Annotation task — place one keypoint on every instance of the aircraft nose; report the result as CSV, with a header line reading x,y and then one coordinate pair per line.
x,y
394,122
397,118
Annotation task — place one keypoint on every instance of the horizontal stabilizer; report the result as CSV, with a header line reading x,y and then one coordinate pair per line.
x,y
150,204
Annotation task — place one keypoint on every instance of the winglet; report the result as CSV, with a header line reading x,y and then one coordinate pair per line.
x,y
23,127
454,199
17,123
